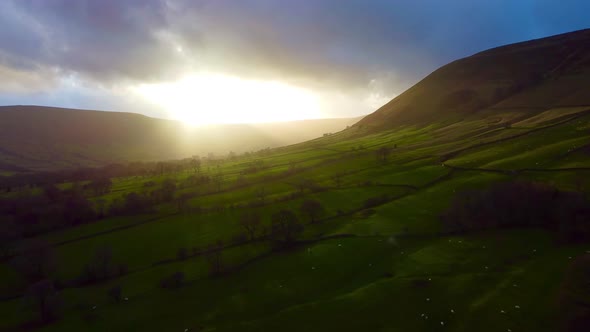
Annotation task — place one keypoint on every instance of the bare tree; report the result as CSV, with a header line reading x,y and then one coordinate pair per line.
x,y
313,209
284,228
383,153
196,164
214,258
306,184
43,297
250,222
182,202
218,181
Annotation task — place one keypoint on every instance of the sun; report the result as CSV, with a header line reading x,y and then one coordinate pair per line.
x,y
206,98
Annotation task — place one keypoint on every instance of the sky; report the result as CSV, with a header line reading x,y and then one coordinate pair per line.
x,y
211,61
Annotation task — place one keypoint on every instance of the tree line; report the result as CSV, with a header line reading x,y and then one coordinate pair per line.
x,y
521,204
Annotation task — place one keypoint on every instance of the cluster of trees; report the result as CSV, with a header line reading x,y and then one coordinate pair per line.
x,y
37,265
283,232
101,267
30,214
100,175
521,204
140,169
134,203
254,167
285,225
284,229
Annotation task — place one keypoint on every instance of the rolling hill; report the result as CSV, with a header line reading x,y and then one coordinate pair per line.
x,y
435,213
526,77
34,138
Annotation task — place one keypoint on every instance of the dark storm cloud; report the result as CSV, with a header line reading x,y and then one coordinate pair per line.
x,y
347,45
104,39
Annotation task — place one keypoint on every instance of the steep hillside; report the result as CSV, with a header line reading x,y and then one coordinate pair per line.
x,y
530,76
44,138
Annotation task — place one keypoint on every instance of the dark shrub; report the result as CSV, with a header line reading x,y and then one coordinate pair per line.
x,y
519,204
176,280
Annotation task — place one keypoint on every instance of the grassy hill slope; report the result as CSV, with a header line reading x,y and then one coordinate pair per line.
x,y
380,257
34,138
529,76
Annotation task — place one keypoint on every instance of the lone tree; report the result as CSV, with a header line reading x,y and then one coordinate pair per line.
x,y
313,209
182,202
250,222
214,258
218,181
383,153
285,228
101,266
196,164
44,299
167,189
306,184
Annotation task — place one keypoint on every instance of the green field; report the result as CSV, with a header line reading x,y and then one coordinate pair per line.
x,y
387,266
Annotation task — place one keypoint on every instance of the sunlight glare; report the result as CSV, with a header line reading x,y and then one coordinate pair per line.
x,y
214,98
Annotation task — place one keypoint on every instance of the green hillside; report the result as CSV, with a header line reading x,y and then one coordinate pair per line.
x,y
422,217
531,76
36,138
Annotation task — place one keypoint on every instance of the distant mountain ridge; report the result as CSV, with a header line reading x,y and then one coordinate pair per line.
x,y
48,138
535,75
